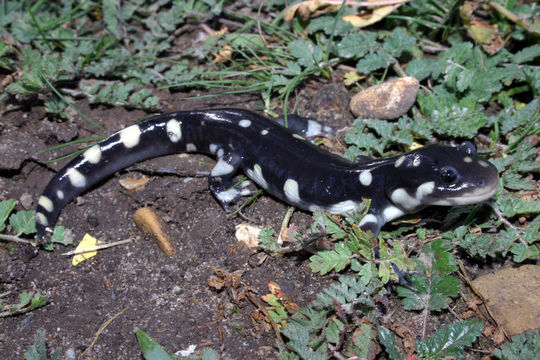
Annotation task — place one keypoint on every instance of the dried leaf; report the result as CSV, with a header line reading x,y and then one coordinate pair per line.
x,y
147,220
133,184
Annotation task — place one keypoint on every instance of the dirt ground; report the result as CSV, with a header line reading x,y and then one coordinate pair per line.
x,y
168,297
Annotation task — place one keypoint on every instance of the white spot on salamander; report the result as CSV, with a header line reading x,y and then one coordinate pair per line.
x,y
290,188
399,161
93,154
405,201
314,129
264,132
425,189
222,168
467,159
76,178
41,219
60,194
257,176
244,123
174,132
391,212
369,218
130,136
483,163
299,137
213,148
220,153
365,177
46,203
191,147
343,207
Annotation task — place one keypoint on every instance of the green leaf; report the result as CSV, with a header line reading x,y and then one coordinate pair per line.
x,y
525,346
326,261
267,240
306,53
110,16
38,351
372,62
23,222
450,340
388,340
6,206
150,348
356,45
38,301
398,42
515,181
511,205
420,68
364,342
59,236
209,354
435,284
527,54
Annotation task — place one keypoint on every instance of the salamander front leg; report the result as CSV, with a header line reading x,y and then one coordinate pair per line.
x,y
373,222
221,181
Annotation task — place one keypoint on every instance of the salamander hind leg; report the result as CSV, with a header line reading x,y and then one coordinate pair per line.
x,y
221,181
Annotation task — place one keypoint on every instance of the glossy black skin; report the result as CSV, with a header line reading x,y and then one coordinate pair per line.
x,y
323,180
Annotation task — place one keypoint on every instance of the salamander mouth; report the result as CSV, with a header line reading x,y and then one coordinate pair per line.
x,y
475,196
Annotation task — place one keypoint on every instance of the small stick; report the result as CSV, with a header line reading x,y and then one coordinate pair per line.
x,y
100,330
99,247
285,223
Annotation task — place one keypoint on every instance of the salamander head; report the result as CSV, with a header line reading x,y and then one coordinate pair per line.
x,y
441,175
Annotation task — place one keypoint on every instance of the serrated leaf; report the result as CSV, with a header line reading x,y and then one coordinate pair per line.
x,y
267,240
450,340
356,45
306,53
527,54
23,222
209,354
372,62
150,348
434,285
326,261
388,339
420,68
364,344
511,205
59,236
525,346
398,42
38,351
110,17
6,206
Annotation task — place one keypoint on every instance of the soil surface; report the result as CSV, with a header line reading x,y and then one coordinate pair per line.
x,y
167,297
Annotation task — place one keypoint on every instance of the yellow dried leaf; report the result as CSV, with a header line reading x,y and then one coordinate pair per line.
x,y
351,77
133,184
248,235
87,242
223,55
365,20
308,9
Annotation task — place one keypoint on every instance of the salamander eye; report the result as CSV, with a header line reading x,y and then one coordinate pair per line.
x,y
448,174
